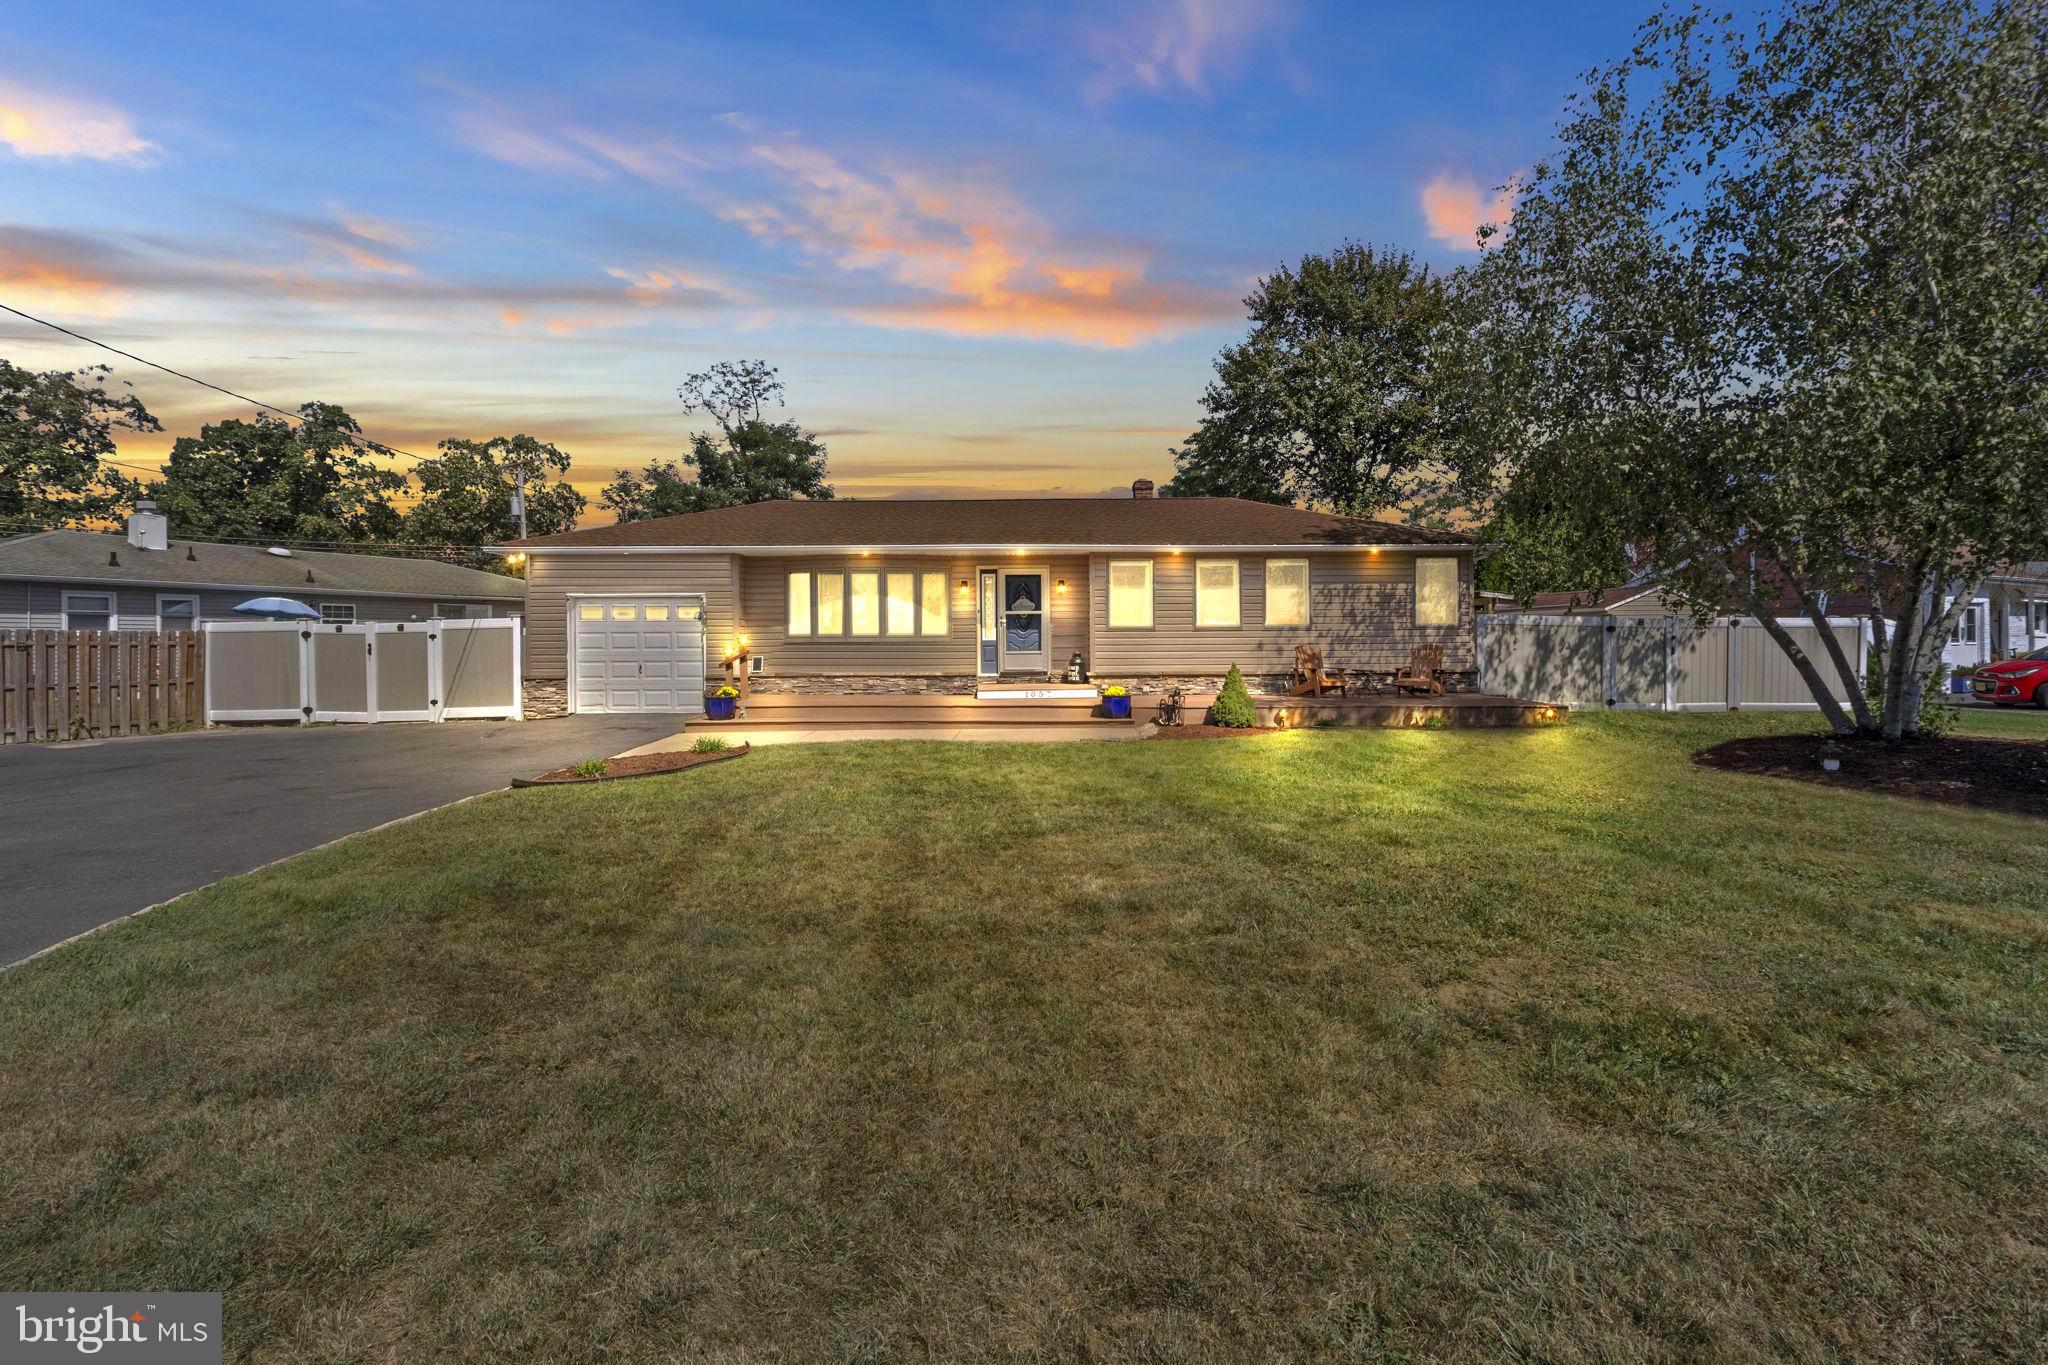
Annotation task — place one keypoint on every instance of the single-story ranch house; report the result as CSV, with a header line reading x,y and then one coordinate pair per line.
x,y
938,595
144,580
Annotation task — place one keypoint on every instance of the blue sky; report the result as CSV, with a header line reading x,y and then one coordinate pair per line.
x,y
992,250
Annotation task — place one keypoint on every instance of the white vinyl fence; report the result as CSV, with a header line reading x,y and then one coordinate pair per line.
x,y
318,671
1658,663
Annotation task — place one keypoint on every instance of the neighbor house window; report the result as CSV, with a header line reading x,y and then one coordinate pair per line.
x,y
177,613
864,608
1216,592
1436,592
1965,632
344,613
450,611
831,604
2041,618
1130,593
902,604
799,604
89,611
1287,592
938,609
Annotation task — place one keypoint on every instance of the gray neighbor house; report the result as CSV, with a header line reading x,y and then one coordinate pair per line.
x,y
144,580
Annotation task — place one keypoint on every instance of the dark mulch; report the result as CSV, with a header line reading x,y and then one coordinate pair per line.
x,y
1212,731
634,765
1993,774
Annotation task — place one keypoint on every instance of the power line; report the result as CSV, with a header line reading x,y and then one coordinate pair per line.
x,y
355,439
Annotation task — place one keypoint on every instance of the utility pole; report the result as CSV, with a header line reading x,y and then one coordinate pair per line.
x,y
519,498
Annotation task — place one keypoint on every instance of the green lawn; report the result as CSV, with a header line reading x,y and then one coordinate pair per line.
x,y
1361,1045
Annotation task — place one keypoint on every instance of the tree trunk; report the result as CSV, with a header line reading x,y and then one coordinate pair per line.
x,y
1898,664
1838,719
1852,685
1914,651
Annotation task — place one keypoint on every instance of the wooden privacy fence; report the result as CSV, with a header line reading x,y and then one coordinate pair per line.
x,y
90,684
1659,663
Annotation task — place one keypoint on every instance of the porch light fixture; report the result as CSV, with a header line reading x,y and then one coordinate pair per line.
x,y
1060,586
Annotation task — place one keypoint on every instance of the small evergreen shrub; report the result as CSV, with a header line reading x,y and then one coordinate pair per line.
x,y
1233,708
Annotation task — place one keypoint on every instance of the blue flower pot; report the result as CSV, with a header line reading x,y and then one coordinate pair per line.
x,y
1117,708
720,708
1959,685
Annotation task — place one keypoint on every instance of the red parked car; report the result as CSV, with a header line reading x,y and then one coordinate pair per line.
x,y
2014,682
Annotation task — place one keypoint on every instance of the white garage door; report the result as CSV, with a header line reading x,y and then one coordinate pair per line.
x,y
638,654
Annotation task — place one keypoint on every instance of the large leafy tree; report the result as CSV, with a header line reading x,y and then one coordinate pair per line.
x,y
274,479
1333,398
466,492
57,430
747,459
1773,315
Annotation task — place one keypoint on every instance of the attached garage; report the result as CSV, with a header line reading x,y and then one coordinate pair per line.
x,y
632,654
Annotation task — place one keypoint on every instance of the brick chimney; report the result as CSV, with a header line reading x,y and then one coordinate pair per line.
x,y
148,529
1141,488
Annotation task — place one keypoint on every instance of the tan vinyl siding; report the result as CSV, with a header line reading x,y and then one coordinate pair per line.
x,y
1361,612
764,592
551,578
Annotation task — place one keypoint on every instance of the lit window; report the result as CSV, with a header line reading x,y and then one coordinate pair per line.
x,y
1130,593
656,612
938,609
1215,592
831,604
1287,592
624,611
589,611
864,609
799,604
689,613
1436,592
338,613
902,604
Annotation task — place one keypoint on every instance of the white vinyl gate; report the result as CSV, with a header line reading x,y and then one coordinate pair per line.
x,y
636,654
1658,663
362,673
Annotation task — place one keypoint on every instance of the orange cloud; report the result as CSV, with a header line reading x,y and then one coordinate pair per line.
x,y
38,123
979,263
1455,207
45,279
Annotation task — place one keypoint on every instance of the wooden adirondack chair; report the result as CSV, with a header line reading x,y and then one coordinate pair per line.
x,y
1311,679
1424,672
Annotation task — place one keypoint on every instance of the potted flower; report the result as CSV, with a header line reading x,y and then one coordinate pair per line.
x,y
721,704
1116,702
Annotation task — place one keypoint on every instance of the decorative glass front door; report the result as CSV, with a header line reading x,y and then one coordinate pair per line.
x,y
1023,628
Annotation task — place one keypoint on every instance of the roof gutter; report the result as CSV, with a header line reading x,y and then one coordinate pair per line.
x,y
319,589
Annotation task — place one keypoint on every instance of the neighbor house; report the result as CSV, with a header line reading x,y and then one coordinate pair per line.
x,y
144,580
943,595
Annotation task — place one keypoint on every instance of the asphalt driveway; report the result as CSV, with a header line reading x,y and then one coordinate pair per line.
x,y
93,831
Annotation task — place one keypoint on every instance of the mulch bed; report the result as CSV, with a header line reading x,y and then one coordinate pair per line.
x,y
633,765
1211,731
1991,774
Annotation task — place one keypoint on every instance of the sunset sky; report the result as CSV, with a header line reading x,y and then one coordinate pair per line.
x,y
992,249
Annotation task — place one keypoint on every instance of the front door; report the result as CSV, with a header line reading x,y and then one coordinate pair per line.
x,y
1024,626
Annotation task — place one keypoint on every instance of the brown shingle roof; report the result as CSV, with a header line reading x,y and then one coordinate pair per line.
x,y
1002,522
83,555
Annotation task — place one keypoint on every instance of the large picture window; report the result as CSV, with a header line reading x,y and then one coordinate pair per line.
x,y
1436,591
864,603
831,604
1130,594
800,604
938,610
1287,592
1216,592
901,604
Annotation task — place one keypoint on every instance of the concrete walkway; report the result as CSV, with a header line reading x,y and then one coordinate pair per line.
x,y
1007,734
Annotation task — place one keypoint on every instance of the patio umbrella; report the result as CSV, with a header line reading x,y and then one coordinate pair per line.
x,y
277,609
